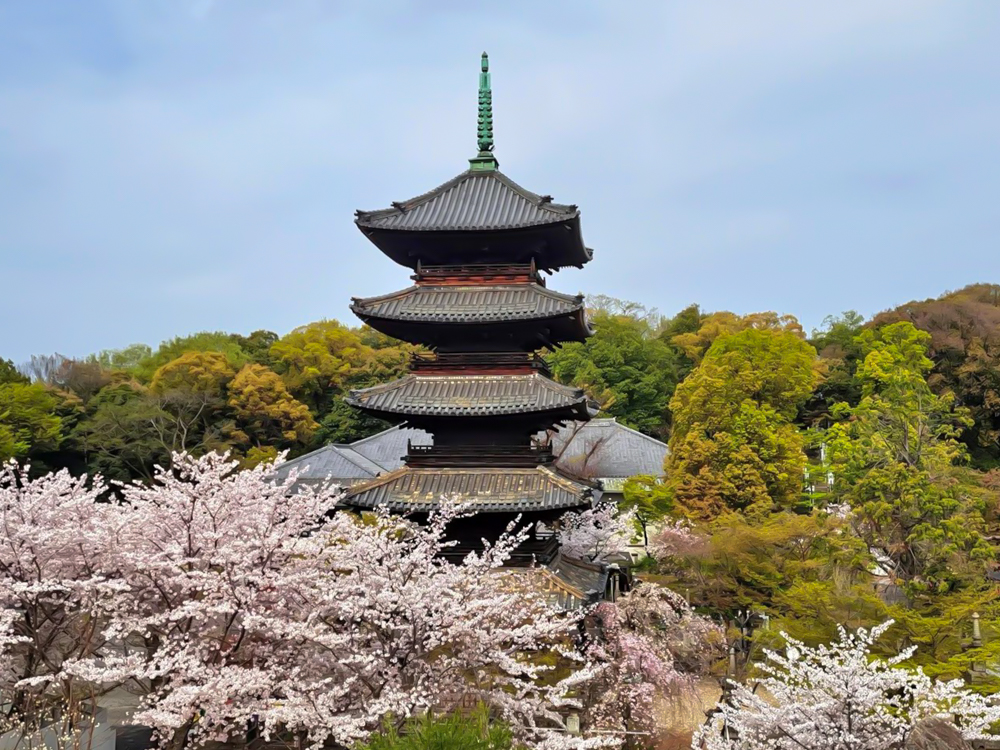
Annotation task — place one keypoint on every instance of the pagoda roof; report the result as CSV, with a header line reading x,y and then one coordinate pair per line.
x,y
485,490
469,304
471,396
472,201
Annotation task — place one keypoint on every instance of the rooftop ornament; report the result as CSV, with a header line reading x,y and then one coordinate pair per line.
x,y
484,160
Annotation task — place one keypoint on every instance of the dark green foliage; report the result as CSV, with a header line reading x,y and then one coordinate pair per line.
x,y
839,353
345,424
450,732
627,368
10,374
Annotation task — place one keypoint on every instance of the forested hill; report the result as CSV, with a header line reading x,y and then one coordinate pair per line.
x,y
119,412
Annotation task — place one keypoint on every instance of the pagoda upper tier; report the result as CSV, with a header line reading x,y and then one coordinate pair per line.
x,y
479,307
480,216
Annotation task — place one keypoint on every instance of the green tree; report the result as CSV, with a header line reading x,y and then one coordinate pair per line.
x,y
129,359
964,328
806,570
626,368
455,731
10,374
125,433
695,343
650,498
345,424
734,444
687,321
839,355
257,346
894,457
28,420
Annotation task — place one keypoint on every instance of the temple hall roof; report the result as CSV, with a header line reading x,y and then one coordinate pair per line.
x,y
486,490
470,304
601,448
470,396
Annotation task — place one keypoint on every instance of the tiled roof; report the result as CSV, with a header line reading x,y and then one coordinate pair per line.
x,y
600,448
606,449
340,464
470,304
487,490
469,395
470,201
388,447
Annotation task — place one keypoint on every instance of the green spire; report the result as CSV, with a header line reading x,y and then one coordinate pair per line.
x,y
484,161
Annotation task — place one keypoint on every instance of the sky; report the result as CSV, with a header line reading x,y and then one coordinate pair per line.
x,y
172,166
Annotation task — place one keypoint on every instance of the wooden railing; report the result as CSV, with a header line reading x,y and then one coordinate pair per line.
x,y
479,271
444,362
457,456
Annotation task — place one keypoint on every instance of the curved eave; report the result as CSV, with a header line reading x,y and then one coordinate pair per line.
x,y
411,490
551,246
470,305
445,397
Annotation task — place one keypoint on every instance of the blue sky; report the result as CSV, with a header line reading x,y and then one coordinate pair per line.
x,y
182,165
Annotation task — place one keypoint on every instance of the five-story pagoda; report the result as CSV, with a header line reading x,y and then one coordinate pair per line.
x,y
477,246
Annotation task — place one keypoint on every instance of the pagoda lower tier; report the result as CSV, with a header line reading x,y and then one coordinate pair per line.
x,y
493,497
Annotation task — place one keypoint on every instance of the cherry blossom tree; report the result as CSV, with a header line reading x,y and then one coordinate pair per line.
x,y
650,644
675,539
247,601
597,533
836,697
52,534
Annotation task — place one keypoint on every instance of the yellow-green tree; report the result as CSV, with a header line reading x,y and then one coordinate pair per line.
x,y
317,360
806,570
28,420
267,414
191,390
724,323
734,445
894,456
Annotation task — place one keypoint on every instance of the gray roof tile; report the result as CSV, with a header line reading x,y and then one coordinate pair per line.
x,y
470,201
473,304
606,449
487,490
468,395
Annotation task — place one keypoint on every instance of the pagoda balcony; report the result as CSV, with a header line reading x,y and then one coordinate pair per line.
x,y
499,456
479,273
478,363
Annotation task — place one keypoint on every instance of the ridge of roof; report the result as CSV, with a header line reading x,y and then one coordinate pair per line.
x,y
345,451
625,427
561,210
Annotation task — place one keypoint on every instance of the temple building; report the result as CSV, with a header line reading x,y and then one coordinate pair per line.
x,y
477,247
